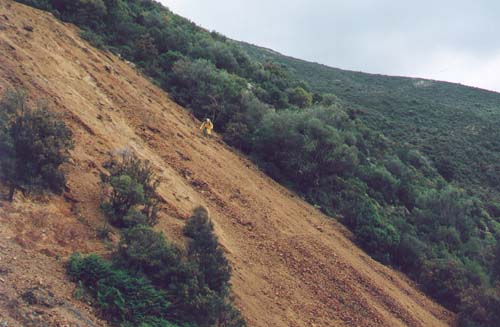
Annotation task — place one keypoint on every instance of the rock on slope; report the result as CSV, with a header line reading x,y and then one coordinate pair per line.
x,y
292,265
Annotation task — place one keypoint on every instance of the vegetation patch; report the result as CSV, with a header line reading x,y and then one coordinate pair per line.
x,y
150,281
34,143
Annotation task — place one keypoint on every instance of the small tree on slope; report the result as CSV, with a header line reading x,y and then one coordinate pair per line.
x,y
214,268
33,145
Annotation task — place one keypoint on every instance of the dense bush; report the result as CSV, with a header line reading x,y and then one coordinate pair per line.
x,y
130,191
300,97
33,145
123,297
479,308
209,92
189,289
146,251
305,147
90,12
204,249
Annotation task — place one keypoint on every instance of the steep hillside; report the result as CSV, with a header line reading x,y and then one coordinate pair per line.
x,y
292,265
456,125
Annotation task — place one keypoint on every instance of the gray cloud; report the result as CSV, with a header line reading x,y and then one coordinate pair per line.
x,y
446,40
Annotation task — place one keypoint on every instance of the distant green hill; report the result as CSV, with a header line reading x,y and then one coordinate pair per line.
x,y
455,125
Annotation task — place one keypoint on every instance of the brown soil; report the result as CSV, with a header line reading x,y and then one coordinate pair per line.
x,y
292,265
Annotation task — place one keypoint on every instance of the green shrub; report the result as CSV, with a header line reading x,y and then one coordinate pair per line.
x,y
87,12
381,240
241,127
446,168
123,298
445,280
94,39
205,251
479,308
207,91
33,145
300,97
382,181
215,306
40,4
130,191
328,100
146,251
305,147
410,254
197,285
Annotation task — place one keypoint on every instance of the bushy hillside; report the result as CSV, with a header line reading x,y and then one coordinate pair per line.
x,y
330,148
455,125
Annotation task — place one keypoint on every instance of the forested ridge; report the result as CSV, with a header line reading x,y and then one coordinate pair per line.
x,y
455,125
406,206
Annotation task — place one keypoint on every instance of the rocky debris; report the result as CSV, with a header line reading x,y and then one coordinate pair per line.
x,y
28,28
40,296
247,223
5,271
131,64
198,184
70,197
183,156
186,173
153,128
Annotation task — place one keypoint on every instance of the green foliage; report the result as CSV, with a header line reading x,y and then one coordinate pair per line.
x,y
452,124
33,145
40,4
328,100
445,280
146,251
480,308
192,288
305,147
449,208
207,91
89,12
130,191
206,252
381,181
215,272
300,97
93,38
121,296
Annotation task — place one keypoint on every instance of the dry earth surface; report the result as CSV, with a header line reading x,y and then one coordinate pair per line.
x,y
292,266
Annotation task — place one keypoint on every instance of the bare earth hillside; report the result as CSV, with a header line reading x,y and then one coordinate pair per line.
x,y
292,265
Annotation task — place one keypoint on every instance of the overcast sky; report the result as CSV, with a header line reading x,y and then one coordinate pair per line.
x,y
456,41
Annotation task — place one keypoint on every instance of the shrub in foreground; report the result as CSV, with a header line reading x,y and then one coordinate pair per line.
x,y
34,143
130,191
123,297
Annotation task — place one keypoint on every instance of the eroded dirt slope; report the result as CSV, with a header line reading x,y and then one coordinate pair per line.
x,y
292,265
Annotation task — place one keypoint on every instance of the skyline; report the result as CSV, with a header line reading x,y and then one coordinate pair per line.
x,y
448,41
